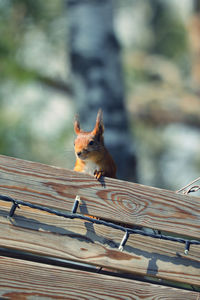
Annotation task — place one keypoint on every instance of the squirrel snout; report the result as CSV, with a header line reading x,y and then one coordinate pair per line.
x,y
82,154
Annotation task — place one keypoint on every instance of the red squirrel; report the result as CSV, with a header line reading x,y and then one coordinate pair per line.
x,y
92,157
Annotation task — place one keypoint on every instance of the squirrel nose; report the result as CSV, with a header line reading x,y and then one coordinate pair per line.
x,y
79,153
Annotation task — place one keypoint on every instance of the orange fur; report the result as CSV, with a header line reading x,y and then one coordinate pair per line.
x,y
91,154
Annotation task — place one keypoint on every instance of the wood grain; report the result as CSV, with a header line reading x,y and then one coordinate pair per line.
x,y
117,201
39,233
87,249
42,221
19,280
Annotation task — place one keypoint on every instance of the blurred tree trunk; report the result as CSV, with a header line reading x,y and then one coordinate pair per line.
x,y
97,78
157,20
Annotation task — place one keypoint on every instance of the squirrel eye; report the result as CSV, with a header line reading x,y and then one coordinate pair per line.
x,y
91,143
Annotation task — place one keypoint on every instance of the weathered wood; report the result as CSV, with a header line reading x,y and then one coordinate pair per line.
x,y
24,279
42,221
117,201
87,249
81,241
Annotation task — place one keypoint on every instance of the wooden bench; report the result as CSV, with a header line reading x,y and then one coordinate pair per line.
x,y
44,255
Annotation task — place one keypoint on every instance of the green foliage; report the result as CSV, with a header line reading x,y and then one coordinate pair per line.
x,y
16,138
18,18
21,22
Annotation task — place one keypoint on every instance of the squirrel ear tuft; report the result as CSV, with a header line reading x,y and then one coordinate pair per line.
x,y
99,128
77,128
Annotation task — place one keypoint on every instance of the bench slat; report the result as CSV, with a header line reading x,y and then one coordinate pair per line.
x,y
118,201
87,249
31,279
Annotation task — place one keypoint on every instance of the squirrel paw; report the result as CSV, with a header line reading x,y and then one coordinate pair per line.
x,y
98,174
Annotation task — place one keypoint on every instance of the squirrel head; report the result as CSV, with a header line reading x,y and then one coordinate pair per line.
x,y
88,144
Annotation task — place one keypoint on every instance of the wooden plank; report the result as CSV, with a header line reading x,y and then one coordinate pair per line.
x,y
39,220
87,249
24,279
117,201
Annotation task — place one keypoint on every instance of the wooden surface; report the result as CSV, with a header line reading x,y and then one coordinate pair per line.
x,y
43,234
19,280
97,245
118,200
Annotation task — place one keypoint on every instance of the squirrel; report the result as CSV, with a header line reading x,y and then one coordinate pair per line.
x,y
92,157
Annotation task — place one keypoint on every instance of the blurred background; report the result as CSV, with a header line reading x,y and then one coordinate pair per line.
x,y
138,60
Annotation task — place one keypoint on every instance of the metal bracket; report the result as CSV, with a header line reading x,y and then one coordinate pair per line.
x,y
76,204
